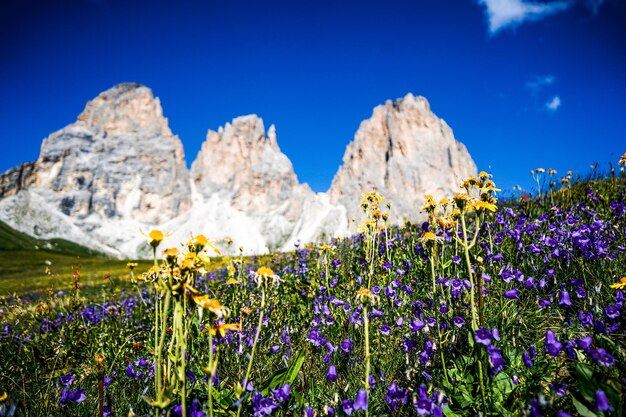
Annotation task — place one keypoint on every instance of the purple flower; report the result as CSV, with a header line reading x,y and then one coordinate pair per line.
x,y
553,346
348,406
459,321
584,343
130,371
585,318
563,414
282,393
416,325
346,346
602,402
543,303
331,375
496,360
361,400
385,329
67,379
611,312
263,406
527,361
396,395
559,389
408,344
564,299
496,334
602,357
423,406
599,326
77,396
482,336
512,294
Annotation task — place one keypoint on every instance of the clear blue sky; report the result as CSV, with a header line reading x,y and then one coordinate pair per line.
x,y
523,84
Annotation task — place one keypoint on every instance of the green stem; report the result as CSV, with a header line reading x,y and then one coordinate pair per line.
x,y
366,327
163,331
469,271
211,373
473,306
256,339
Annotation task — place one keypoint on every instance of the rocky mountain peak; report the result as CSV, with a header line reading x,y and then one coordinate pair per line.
x,y
242,160
119,168
404,151
125,108
243,164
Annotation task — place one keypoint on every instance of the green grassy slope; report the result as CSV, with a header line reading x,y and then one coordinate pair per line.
x,y
11,239
24,271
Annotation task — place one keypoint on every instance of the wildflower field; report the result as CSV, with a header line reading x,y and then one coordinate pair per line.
x,y
499,308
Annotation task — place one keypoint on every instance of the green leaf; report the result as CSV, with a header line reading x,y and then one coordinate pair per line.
x,y
284,375
503,383
582,409
449,413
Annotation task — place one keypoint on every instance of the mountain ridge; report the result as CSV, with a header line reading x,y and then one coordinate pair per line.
x,y
119,168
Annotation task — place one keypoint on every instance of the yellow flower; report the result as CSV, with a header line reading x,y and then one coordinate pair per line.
x,y
222,328
170,253
445,222
619,285
484,205
263,274
231,281
188,261
211,304
622,160
429,204
365,294
540,170
3,396
131,265
470,182
490,186
460,200
196,243
551,171
483,175
429,236
155,237
151,274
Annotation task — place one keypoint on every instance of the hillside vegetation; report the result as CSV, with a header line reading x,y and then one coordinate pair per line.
x,y
488,308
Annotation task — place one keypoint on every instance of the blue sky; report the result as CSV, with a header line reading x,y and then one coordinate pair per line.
x,y
523,84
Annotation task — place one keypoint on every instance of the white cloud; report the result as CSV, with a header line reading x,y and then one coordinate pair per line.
x,y
510,13
553,104
540,81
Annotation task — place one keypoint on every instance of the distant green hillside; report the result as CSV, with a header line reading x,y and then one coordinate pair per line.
x,y
12,240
